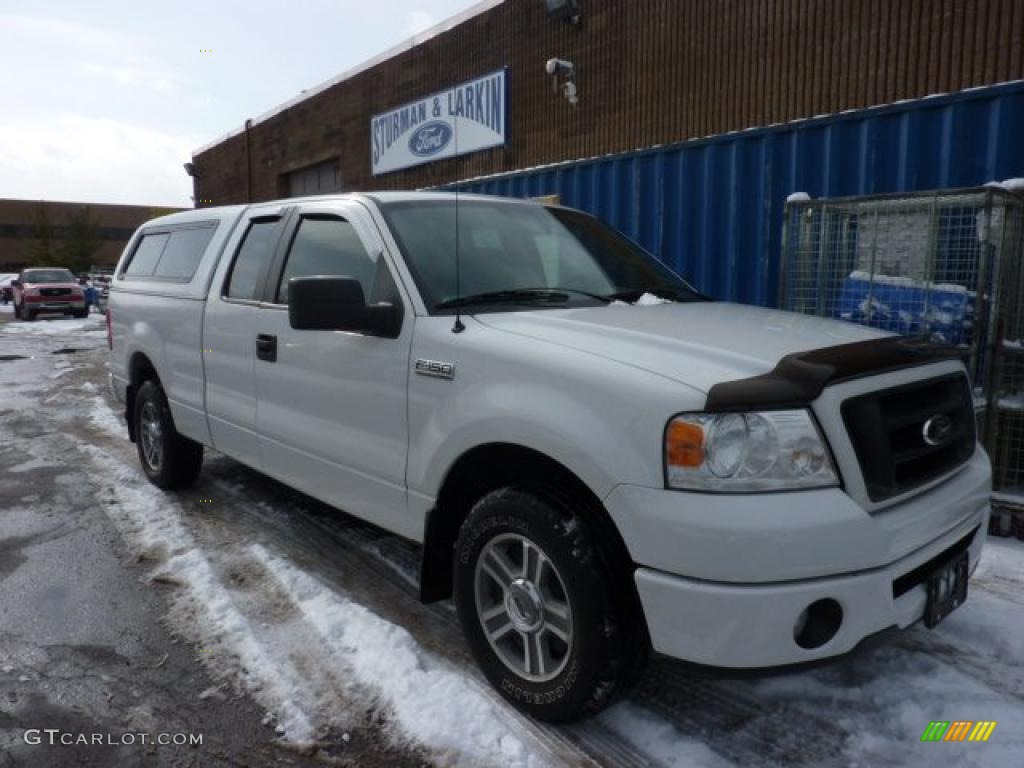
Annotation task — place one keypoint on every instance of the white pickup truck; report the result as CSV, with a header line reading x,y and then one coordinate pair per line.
x,y
598,461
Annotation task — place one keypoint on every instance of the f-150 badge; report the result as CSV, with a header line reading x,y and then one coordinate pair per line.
x,y
435,368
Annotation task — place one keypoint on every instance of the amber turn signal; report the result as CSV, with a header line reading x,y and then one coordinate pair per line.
x,y
684,444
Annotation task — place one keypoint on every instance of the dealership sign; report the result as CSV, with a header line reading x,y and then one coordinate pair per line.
x,y
463,119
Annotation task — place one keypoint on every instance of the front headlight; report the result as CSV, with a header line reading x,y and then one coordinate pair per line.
x,y
743,452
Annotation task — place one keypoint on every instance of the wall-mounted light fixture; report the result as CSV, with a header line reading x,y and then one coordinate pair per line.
x,y
567,10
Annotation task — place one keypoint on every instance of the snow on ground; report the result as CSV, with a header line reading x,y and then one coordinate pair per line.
x,y
419,689
104,417
45,326
659,738
969,668
416,689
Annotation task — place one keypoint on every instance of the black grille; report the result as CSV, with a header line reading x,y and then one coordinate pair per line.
x,y
54,291
887,430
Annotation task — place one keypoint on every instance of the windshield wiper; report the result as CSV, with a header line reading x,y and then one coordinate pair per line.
x,y
512,296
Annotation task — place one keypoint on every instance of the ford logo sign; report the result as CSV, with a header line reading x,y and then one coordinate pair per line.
x,y
430,139
937,429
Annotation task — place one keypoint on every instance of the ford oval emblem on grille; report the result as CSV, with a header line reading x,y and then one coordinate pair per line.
x,y
937,429
430,139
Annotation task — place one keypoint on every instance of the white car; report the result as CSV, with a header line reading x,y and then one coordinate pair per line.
x,y
598,461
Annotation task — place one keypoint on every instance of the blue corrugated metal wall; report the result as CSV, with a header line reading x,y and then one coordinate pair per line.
x,y
712,208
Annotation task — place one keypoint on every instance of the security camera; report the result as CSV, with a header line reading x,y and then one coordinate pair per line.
x,y
560,67
563,78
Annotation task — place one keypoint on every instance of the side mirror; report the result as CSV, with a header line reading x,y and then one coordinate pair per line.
x,y
15,283
324,303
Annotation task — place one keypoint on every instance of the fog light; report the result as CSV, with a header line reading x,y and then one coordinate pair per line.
x,y
818,623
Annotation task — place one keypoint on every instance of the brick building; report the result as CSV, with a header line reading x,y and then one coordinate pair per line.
x,y
21,222
646,74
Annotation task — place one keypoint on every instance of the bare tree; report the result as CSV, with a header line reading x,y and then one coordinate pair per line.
x,y
43,251
83,240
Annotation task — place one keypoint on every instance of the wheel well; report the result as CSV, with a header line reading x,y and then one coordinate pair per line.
x,y
489,467
140,370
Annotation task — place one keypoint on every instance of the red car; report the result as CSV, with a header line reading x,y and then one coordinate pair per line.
x,y
46,290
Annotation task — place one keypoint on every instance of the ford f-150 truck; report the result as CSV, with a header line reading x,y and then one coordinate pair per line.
x,y
45,290
598,461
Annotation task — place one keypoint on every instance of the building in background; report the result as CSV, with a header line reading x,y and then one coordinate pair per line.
x,y
684,124
75,235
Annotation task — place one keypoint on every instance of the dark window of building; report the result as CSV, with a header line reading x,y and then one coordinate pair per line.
x,y
183,253
252,259
317,180
328,246
146,255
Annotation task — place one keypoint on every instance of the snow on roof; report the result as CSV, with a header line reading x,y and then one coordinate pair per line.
x,y
406,45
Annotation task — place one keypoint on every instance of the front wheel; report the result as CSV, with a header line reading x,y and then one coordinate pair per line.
x,y
532,592
169,460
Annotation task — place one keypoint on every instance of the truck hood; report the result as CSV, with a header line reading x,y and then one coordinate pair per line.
x,y
698,344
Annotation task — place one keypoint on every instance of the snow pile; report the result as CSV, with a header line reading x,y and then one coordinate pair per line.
x,y
432,703
647,300
101,414
1010,185
148,521
650,300
798,197
44,327
908,282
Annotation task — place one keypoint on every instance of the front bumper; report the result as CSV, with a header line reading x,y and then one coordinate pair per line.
x,y
42,307
750,626
723,578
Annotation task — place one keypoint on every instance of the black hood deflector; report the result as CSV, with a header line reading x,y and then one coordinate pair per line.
x,y
799,378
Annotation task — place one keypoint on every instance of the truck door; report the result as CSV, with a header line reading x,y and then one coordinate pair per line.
x,y
331,405
229,347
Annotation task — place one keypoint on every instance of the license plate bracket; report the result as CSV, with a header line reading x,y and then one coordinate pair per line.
x,y
947,589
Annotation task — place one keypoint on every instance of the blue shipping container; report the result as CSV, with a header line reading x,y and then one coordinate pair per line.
x,y
712,208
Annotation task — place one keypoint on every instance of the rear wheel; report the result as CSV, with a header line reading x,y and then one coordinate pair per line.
x,y
169,460
536,607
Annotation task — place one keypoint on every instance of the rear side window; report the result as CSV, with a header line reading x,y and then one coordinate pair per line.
x,y
147,255
252,259
183,253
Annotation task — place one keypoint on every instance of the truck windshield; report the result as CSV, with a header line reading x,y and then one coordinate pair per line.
x,y
48,276
516,256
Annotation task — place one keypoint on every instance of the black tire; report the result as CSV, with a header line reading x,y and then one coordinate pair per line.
x,y
603,654
80,314
17,311
27,314
179,459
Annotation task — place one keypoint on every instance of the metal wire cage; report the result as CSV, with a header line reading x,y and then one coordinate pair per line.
x,y
945,264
